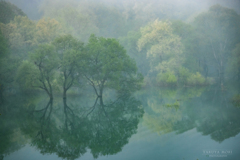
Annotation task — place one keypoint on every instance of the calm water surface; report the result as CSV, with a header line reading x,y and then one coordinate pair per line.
x,y
154,123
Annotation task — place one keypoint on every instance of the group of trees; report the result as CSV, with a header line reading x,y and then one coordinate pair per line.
x,y
66,62
69,51
192,53
167,52
48,58
20,37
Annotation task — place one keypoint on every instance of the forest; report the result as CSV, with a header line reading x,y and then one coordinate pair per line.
x,y
78,43
82,75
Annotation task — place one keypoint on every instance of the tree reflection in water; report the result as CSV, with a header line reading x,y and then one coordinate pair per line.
x,y
71,128
211,112
104,130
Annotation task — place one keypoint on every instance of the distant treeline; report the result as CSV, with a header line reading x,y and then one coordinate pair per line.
x,y
167,52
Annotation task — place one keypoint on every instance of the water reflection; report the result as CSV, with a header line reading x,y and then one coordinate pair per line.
x,y
63,130
11,117
164,117
210,111
71,127
112,125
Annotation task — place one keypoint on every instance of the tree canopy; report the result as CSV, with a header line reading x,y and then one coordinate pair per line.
x,y
108,65
70,55
8,11
164,49
219,33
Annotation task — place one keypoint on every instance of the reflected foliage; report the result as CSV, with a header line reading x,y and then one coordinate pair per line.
x,y
11,137
48,56
113,125
57,128
69,129
164,117
210,111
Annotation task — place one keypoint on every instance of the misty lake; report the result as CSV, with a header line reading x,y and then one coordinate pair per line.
x,y
119,80
154,123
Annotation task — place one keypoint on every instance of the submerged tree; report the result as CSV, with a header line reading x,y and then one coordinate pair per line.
x,y
108,66
39,71
70,53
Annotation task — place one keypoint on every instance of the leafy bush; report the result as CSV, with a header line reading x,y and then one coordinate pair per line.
x,y
187,78
196,80
184,74
166,79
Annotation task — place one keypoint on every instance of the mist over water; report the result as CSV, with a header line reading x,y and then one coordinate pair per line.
x,y
110,79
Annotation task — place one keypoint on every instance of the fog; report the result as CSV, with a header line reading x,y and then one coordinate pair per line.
x,y
114,79
178,8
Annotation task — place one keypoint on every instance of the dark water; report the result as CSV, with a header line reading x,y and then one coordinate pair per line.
x,y
154,123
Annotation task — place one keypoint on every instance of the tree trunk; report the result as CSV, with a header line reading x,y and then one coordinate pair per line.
x,y
100,96
64,93
51,96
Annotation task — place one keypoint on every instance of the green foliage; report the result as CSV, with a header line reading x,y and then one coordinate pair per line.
x,y
20,33
130,44
196,80
219,32
69,51
236,100
8,11
234,61
219,23
71,57
191,79
21,37
44,57
24,35
45,60
190,40
3,56
164,118
108,65
3,45
167,79
164,49
47,30
27,75
184,74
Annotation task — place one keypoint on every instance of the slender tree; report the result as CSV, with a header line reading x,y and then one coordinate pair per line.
x,y
70,53
108,65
